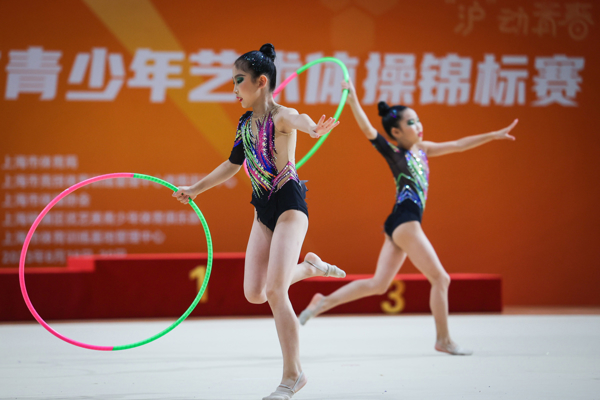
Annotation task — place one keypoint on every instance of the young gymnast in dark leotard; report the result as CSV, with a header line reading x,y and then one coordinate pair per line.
x,y
407,159
266,140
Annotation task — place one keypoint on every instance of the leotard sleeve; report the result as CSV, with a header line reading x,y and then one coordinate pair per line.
x,y
383,146
237,155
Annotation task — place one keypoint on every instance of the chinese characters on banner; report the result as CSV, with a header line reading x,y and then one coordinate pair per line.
x,y
73,226
410,79
540,18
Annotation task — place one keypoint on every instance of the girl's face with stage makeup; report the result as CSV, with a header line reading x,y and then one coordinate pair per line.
x,y
411,129
246,91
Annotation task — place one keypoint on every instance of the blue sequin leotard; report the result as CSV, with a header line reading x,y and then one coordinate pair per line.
x,y
411,173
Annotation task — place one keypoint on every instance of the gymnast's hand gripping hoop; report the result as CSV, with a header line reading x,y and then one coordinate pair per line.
x,y
64,194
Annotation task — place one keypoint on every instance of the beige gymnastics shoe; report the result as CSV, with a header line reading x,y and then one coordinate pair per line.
x,y
330,270
284,392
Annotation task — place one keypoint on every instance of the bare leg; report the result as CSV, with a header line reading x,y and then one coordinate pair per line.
x,y
286,244
257,261
390,260
411,238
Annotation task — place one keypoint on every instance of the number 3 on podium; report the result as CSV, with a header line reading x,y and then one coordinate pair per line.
x,y
396,305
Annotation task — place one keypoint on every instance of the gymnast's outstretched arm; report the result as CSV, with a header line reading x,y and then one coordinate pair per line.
x,y
433,149
290,119
219,175
359,114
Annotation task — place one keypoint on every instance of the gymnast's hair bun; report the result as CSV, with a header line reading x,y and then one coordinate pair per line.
x,y
384,109
268,50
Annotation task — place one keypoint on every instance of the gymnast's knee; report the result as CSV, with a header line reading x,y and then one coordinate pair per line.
x,y
255,296
442,279
276,294
379,287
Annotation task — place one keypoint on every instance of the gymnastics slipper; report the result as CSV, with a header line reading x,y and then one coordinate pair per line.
x,y
331,270
455,350
284,392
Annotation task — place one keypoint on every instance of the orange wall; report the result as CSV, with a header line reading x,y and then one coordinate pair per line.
x,y
526,210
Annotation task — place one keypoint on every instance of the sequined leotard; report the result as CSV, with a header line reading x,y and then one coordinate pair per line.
x,y
411,173
271,193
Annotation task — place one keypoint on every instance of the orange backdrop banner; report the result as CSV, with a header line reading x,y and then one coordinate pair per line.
x,y
100,86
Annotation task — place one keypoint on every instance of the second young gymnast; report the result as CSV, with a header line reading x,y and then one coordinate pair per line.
x,y
407,158
266,140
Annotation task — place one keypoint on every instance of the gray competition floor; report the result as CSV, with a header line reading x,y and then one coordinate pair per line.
x,y
367,357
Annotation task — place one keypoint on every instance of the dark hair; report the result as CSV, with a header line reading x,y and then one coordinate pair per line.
x,y
390,116
261,62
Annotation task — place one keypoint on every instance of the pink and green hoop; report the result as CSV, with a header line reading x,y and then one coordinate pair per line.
x,y
66,192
